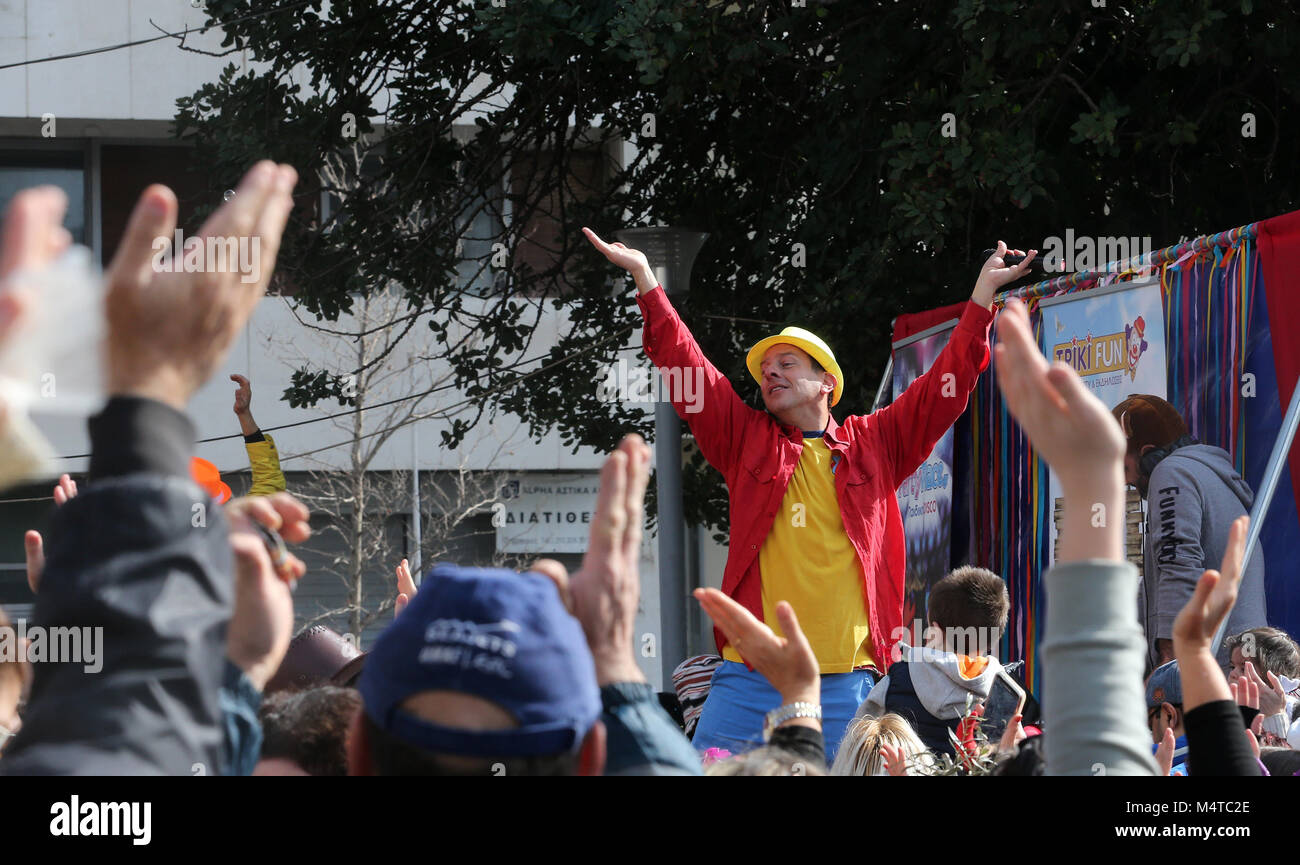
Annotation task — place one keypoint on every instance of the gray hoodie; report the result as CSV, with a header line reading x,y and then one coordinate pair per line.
x,y
940,680
1094,707
1194,495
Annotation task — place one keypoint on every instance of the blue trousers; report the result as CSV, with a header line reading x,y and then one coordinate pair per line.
x,y
732,717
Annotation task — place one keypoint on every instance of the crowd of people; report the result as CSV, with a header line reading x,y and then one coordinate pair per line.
x,y
496,672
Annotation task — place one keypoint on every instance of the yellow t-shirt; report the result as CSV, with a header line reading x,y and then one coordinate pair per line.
x,y
808,560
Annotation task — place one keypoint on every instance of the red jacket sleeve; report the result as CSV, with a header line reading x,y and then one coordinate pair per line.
x,y
702,395
910,426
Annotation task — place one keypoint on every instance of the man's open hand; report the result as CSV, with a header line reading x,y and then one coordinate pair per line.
x,y
405,587
605,592
1272,699
788,663
631,260
168,330
1165,752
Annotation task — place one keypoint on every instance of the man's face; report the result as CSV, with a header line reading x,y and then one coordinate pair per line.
x,y
789,379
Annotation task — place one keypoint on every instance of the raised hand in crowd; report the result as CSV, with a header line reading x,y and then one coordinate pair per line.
x,y
139,523
1090,590
263,458
603,596
1165,751
1210,710
604,593
244,405
405,587
995,274
1197,622
1272,698
170,330
34,544
788,663
262,623
895,758
1245,692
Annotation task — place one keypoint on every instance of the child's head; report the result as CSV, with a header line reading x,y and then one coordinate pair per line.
x,y
1271,650
861,750
969,607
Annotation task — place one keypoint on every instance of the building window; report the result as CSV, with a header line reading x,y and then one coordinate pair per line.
x,y
126,170
66,169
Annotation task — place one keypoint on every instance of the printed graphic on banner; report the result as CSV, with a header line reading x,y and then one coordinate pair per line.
x,y
1114,338
924,498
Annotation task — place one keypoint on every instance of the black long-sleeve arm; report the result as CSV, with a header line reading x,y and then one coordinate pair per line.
x,y
139,567
1216,741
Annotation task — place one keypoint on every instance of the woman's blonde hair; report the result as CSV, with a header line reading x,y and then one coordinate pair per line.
x,y
861,749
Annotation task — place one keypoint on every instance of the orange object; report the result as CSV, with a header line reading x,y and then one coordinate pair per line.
x,y
206,475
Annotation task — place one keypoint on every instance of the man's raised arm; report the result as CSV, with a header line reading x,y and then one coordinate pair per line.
x,y
912,424
702,395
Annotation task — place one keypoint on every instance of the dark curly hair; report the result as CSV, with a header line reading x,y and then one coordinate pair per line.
x,y
310,727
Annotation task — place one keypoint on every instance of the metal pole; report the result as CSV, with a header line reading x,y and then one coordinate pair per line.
x,y
884,382
416,530
1272,472
672,538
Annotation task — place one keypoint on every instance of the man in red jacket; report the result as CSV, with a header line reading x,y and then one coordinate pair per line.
x,y
813,504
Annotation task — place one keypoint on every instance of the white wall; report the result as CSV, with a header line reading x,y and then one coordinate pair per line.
x,y
137,83
141,82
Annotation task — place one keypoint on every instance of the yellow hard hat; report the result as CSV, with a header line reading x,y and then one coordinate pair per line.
x,y
805,340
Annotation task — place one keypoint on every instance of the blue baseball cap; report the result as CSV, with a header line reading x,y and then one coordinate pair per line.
x,y
491,633
1165,686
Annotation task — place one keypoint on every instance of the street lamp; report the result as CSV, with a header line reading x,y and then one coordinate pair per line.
x,y
671,252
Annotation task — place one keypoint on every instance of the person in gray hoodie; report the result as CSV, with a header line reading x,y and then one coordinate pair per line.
x,y
1193,494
